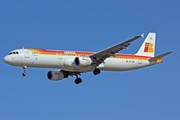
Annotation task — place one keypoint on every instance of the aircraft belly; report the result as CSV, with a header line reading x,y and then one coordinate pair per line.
x,y
114,64
78,68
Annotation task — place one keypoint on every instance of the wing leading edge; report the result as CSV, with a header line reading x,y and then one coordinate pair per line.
x,y
99,57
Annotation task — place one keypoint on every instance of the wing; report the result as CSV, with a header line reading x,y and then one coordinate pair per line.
x,y
99,57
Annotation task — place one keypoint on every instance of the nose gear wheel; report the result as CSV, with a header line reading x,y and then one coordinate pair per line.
x,y
24,71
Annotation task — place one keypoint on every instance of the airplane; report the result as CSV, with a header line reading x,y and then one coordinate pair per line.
x,y
74,63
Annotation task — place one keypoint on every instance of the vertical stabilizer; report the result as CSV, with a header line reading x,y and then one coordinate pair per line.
x,y
148,46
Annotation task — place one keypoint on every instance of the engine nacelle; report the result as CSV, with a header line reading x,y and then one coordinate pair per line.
x,y
69,62
78,61
55,75
82,61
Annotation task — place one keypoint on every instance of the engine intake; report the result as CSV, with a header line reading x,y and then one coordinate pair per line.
x,y
76,60
82,61
55,75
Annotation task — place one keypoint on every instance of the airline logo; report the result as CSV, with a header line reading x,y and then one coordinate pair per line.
x,y
148,47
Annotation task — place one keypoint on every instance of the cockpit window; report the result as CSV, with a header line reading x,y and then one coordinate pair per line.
x,y
13,53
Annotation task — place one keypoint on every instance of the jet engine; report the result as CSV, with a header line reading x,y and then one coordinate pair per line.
x,y
55,75
78,61
82,61
69,62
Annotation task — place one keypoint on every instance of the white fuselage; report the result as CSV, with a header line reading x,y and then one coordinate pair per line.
x,y
25,57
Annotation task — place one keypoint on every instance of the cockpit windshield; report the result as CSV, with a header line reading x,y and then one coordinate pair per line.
x,y
13,53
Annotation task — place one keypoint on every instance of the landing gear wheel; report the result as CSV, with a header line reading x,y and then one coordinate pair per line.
x,y
78,80
24,74
24,69
96,71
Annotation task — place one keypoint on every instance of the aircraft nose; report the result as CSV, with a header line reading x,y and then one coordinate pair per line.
x,y
7,59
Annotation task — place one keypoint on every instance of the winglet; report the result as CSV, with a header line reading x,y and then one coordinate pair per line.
x,y
160,56
142,35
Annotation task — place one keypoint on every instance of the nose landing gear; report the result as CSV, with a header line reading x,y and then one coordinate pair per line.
x,y
24,69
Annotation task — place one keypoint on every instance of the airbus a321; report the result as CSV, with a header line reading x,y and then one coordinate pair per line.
x,y
73,63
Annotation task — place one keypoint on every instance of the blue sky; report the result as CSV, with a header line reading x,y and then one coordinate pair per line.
x,y
144,94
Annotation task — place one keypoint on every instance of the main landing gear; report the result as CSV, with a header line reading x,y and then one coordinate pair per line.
x,y
96,71
77,80
24,71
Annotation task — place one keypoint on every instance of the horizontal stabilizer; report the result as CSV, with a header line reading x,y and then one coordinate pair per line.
x,y
160,56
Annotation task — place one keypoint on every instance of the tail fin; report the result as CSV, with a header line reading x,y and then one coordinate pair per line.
x,y
148,46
